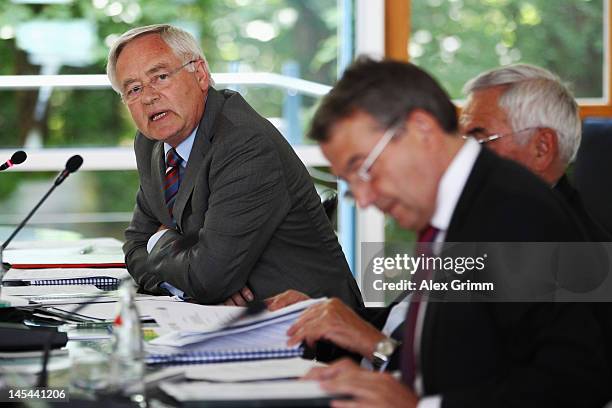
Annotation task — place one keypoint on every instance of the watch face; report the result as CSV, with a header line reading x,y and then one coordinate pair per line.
x,y
385,347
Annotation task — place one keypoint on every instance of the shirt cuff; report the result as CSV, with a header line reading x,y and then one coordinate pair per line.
x,y
435,401
153,240
172,290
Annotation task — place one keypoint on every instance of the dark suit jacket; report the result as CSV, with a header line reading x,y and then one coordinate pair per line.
x,y
602,311
595,231
247,213
511,354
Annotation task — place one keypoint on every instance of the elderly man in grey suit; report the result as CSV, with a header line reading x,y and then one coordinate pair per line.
x,y
226,211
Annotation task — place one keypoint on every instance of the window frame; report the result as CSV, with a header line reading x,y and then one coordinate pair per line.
x,y
397,37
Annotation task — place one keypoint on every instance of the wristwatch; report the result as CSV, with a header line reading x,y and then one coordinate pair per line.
x,y
383,351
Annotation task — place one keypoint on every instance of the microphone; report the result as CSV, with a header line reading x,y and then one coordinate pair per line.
x,y
17,158
72,165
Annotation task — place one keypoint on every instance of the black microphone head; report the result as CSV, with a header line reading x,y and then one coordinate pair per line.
x,y
18,157
74,163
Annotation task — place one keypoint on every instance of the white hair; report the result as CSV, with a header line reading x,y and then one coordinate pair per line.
x,y
535,97
183,44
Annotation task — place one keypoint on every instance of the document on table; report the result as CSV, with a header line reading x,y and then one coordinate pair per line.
x,y
191,317
92,252
198,323
108,310
103,242
293,390
252,370
261,338
65,299
73,290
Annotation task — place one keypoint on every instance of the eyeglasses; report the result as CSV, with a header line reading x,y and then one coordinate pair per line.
x,y
480,138
363,172
159,81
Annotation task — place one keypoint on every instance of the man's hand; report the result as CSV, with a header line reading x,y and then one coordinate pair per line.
x,y
332,320
162,227
240,298
368,389
284,299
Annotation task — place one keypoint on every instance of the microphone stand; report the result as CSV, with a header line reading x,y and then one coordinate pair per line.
x,y
5,267
72,165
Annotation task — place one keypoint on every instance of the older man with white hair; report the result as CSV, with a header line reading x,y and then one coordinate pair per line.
x,y
525,113
226,211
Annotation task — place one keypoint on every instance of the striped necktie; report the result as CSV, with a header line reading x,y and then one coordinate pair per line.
x,y
409,358
172,178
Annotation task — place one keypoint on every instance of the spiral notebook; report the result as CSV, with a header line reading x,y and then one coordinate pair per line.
x,y
105,279
211,356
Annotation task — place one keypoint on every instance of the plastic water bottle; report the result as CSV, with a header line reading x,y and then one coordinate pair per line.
x,y
127,358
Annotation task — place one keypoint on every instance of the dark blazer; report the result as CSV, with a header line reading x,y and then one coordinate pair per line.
x,y
247,213
511,354
602,311
595,231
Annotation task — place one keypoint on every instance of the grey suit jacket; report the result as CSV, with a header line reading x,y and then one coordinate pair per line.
x,y
247,213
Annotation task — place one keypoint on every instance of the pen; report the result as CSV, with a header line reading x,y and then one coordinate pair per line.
x,y
86,250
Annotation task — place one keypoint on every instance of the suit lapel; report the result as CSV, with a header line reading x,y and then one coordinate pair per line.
x,y
201,146
473,185
470,191
191,172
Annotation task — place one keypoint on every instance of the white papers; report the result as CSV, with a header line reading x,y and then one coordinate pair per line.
x,y
252,370
72,299
62,256
52,244
271,390
84,252
45,290
108,310
261,338
208,322
190,316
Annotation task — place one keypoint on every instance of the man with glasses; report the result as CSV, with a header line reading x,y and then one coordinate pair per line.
x,y
226,211
391,132
525,113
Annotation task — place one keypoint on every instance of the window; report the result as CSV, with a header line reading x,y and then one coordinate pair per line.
x,y
457,39
257,47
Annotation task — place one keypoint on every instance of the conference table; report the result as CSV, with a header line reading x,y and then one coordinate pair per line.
x,y
78,372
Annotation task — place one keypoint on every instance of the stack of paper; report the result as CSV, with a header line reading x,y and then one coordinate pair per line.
x,y
202,334
258,394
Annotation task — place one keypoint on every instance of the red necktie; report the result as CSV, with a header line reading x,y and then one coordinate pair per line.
x,y
409,358
173,178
